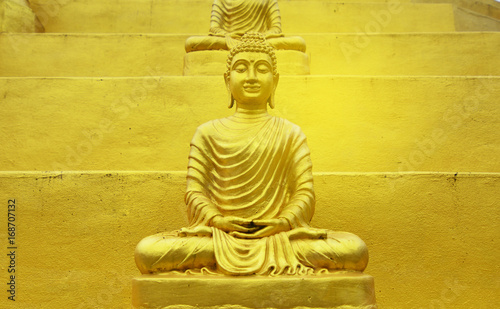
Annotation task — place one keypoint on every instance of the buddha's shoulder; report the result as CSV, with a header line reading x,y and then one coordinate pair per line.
x,y
205,126
209,127
287,124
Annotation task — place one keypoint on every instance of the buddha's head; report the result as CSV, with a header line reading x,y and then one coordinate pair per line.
x,y
252,75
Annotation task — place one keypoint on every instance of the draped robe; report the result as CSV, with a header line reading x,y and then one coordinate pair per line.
x,y
240,17
255,168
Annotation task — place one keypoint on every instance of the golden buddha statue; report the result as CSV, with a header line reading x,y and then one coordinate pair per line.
x,y
231,19
250,193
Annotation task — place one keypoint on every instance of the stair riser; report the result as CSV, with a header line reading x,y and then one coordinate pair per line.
x,y
193,16
352,123
349,54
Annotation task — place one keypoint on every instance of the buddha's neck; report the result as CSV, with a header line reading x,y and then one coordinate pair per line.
x,y
244,113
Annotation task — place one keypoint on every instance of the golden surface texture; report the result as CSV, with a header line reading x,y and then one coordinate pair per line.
x,y
250,193
231,19
343,290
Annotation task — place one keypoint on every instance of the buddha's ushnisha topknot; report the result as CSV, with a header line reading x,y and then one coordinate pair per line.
x,y
253,42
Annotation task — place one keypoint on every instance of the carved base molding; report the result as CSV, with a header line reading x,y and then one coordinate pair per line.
x,y
213,62
342,290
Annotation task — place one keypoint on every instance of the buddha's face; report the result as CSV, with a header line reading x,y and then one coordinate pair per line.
x,y
251,80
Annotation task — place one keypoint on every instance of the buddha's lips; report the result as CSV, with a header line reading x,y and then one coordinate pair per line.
x,y
252,88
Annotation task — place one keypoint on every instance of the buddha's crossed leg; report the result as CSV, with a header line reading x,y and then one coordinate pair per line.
x,y
167,252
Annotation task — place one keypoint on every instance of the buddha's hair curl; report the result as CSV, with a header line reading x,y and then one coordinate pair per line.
x,y
253,42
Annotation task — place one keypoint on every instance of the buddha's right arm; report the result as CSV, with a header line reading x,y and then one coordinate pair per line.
x,y
201,210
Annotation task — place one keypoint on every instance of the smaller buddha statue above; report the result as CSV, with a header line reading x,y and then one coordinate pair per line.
x,y
231,19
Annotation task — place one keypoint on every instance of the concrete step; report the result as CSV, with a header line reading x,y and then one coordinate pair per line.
x,y
489,8
193,16
84,226
468,53
467,20
471,53
473,15
362,124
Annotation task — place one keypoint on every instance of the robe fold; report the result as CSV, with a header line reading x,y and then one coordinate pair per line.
x,y
241,16
257,169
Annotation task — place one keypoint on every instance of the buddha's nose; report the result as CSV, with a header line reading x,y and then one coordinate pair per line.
x,y
251,76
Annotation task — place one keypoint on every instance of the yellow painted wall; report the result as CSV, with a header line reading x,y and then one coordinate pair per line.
x,y
337,54
467,20
362,124
473,15
485,7
193,16
433,237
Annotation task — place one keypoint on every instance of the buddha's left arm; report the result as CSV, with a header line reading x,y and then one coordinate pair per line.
x,y
300,207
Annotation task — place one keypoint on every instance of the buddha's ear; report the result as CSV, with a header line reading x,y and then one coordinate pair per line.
x,y
276,78
229,94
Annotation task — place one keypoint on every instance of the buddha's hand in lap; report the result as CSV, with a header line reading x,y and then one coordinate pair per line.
x,y
307,233
233,38
236,35
233,224
264,228
199,231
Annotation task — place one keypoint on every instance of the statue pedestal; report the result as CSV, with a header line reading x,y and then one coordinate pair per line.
x,y
213,62
340,290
